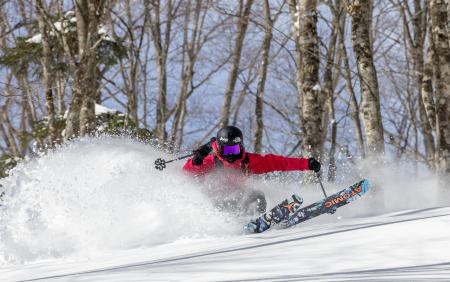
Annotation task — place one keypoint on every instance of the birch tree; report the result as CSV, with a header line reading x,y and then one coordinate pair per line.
x,y
46,73
135,34
294,13
192,44
330,79
268,27
161,42
242,24
415,34
311,94
347,74
441,64
361,14
85,87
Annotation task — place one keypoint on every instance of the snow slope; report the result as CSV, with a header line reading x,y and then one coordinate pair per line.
x,y
97,210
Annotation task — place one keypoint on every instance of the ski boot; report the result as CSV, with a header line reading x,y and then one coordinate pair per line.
x,y
259,225
276,215
295,204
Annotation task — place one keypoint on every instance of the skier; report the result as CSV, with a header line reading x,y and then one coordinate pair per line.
x,y
232,163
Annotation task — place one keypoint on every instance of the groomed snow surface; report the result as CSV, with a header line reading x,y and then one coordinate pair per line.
x,y
98,210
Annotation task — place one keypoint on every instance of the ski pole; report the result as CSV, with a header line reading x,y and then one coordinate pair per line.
x,y
321,185
160,164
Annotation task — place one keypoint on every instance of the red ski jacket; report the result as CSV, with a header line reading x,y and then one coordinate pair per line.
x,y
250,163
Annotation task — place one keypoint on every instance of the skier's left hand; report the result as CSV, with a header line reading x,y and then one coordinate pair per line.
x,y
202,152
313,164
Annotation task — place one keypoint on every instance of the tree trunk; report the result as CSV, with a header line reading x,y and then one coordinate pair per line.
x,y
133,53
242,25
8,130
46,73
187,70
91,83
262,77
294,11
61,90
419,65
313,97
440,39
416,49
348,82
72,129
191,48
329,84
361,13
427,87
161,60
81,117
28,105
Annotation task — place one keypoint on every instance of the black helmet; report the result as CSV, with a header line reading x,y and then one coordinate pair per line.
x,y
230,143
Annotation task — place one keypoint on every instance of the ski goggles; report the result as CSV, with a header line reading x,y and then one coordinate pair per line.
x,y
233,150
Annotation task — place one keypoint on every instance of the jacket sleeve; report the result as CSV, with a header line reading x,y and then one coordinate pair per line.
x,y
267,163
205,167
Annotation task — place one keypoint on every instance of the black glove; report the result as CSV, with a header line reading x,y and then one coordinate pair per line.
x,y
313,164
202,152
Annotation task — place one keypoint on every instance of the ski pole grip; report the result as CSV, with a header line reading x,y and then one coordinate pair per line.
x,y
160,164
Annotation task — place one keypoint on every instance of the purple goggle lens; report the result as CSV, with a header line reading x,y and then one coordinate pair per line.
x,y
234,150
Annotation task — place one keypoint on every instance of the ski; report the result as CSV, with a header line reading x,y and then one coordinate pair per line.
x,y
287,217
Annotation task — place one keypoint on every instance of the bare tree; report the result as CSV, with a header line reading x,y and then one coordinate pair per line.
x,y
46,73
7,129
81,116
441,63
311,95
361,13
330,81
415,39
268,26
242,24
294,12
29,116
135,34
190,50
161,45
347,74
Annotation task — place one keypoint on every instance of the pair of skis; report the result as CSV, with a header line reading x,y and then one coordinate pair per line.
x,y
288,213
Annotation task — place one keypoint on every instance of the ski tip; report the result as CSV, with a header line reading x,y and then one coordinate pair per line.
x,y
365,185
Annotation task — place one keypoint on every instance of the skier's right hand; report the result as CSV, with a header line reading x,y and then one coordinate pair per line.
x,y
313,164
202,152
